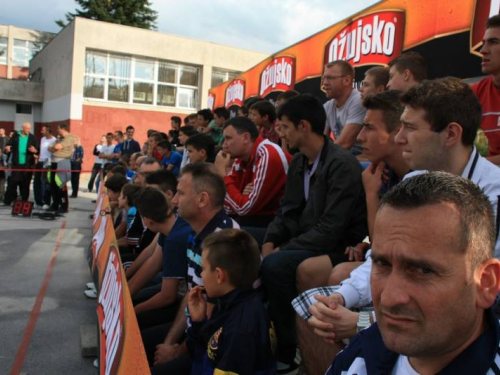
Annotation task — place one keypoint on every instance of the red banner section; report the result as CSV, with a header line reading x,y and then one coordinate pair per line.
x,y
373,36
121,350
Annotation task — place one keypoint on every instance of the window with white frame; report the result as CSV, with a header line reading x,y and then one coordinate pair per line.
x,y
140,81
4,42
24,51
219,76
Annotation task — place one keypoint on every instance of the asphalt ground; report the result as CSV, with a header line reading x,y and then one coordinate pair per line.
x,y
43,272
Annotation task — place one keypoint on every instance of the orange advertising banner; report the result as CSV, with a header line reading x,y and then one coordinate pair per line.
x,y
121,350
443,31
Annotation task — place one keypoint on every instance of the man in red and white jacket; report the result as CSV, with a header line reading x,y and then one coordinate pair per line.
x,y
256,181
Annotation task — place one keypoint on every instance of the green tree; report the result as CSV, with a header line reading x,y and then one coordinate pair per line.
x,y
136,13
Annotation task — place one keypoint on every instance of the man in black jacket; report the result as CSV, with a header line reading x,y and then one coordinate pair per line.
x,y
22,150
323,212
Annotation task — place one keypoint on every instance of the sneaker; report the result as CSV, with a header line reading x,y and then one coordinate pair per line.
x,y
45,207
90,285
96,363
92,294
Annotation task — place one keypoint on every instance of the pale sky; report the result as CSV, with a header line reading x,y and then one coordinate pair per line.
x,y
261,25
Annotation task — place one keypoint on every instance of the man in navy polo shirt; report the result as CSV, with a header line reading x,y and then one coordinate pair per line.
x,y
434,280
199,200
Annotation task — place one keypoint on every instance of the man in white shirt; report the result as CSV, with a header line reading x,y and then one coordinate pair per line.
x,y
40,187
344,110
107,153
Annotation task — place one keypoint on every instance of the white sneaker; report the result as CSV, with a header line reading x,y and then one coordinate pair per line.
x,y
90,285
45,207
91,293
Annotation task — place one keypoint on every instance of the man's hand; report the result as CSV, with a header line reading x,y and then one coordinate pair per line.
x,y
7,149
165,353
357,253
268,248
248,189
331,320
222,162
32,149
197,304
373,177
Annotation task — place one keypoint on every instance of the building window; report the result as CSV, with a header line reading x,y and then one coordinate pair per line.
x,y
25,109
24,51
220,76
4,42
140,81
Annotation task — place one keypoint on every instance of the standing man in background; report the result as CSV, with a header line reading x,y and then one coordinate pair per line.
x,y
40,188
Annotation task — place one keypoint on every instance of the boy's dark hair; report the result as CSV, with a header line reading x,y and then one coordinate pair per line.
x,y
129,191
222,112
130,127
389,103
243,125
244,110
109,134
151,131
188,130
236,252
414,62
115,183
153,204
119,169
164,136
125,159
206,113
165,144
176,119
47,128
380,75
493,21
447,100
248,103
206,179
64,126
202,142
108,167
287,95
156,136
304,107
265,108
119,133
165,180
186,120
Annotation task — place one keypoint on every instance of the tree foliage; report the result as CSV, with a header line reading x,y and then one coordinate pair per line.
x,y
136,13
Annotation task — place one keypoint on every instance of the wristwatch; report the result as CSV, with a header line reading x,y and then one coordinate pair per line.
x,y
363,321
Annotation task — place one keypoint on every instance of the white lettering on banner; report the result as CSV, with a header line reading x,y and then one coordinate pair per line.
x,y
235,92
110,308
99,237
363,40
372,39
278,72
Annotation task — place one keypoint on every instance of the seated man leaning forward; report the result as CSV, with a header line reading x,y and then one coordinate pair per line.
x,y
434,281
256,183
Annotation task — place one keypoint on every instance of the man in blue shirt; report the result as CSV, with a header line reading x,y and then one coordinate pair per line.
x,y
171,159
130,145
434,281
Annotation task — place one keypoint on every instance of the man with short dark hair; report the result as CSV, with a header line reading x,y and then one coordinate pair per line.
x,y
433,308
344,111
107,152
284,96
263,115
41,188
184,133
323,212
171,159
130,145
61,162
199,199
488,89
406,70
256,182
375,81
175,124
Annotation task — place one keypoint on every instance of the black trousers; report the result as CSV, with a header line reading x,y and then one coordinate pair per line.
x,y
75,178
21,180
95,171
41,186
59,195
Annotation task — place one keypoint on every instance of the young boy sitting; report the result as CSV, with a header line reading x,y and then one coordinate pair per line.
x,y
171,159
126,202
200,148
238,338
